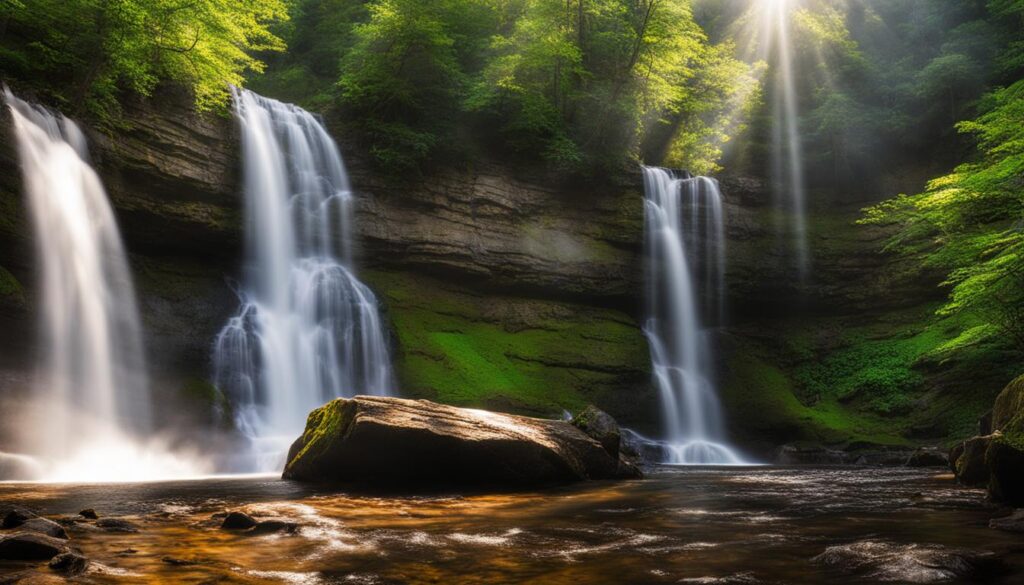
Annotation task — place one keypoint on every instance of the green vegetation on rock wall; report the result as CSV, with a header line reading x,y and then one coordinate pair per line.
x,y
523,355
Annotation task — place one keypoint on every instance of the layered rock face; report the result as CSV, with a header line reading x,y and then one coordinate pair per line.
x,y
408,443
507,289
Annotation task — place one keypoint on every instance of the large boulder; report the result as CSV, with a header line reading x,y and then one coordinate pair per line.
x,y
30,546
970,467
409,443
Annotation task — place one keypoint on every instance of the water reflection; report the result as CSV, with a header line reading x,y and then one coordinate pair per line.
x,y
758,525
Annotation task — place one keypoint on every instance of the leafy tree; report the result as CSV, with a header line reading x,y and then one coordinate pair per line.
x,y
83,53
971,222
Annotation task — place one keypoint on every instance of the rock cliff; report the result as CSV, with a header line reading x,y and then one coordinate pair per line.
x,y
505,288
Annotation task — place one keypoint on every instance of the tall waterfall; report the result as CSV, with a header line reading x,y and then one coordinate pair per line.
x,y
308,330
684,223
92,384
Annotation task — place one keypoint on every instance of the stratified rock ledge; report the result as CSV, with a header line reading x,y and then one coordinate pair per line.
x,y
417,443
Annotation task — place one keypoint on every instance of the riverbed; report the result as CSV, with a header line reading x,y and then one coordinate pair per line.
x,y
681,525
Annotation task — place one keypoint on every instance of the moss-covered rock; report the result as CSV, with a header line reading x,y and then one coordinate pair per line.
x,y
417,443
1008,411
970,465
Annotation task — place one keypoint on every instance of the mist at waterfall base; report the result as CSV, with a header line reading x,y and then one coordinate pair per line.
x,y
307,330
684,224
90,417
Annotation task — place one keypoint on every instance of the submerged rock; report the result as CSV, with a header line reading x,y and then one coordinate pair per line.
x,y
69,563
238,521
30,546
116,525
908,563
44,526
925,457
377,440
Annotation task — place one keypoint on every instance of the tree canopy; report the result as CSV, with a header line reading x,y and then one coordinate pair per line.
x,y
82,54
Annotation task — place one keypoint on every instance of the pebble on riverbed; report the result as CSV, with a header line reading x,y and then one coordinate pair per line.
x,y
89,514
116,525
69,563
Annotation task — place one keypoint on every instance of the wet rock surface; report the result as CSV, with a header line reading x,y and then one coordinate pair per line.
x,y
393,441
44,526
30,546
69,563
238,521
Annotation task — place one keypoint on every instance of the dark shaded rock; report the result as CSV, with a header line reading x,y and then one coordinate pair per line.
x,y
44,526
116,525
601,427
955,452
1012,523
272,526
925,457
909,563
238,521
794,454
70,563
970,467
395,441
985,424
180,562
1005,462
30,546
88,514
16,516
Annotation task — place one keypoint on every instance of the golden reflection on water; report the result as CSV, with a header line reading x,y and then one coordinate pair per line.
x,y
687,525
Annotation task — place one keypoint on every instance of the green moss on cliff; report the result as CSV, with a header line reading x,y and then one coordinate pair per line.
x,y
515,354
888,378
10,288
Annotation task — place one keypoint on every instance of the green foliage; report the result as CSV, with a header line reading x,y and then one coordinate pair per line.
x,y
85,53
970,221
579,85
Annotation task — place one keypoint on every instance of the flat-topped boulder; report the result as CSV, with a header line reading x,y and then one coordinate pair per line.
x,y
410,443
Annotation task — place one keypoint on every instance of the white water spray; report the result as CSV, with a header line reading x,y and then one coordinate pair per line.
x,y
308,330
94,406
684,223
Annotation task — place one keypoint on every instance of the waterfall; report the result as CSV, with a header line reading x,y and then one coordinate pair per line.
x,y
684,222
307,330
92,387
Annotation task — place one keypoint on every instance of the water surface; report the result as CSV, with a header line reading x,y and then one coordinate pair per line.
x,y
725,525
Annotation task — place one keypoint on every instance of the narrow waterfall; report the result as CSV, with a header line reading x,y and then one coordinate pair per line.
x,y
307,330
94,405
684,223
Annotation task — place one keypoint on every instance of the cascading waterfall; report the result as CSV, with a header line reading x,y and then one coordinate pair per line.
x,y
308,330
94,404
684,223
